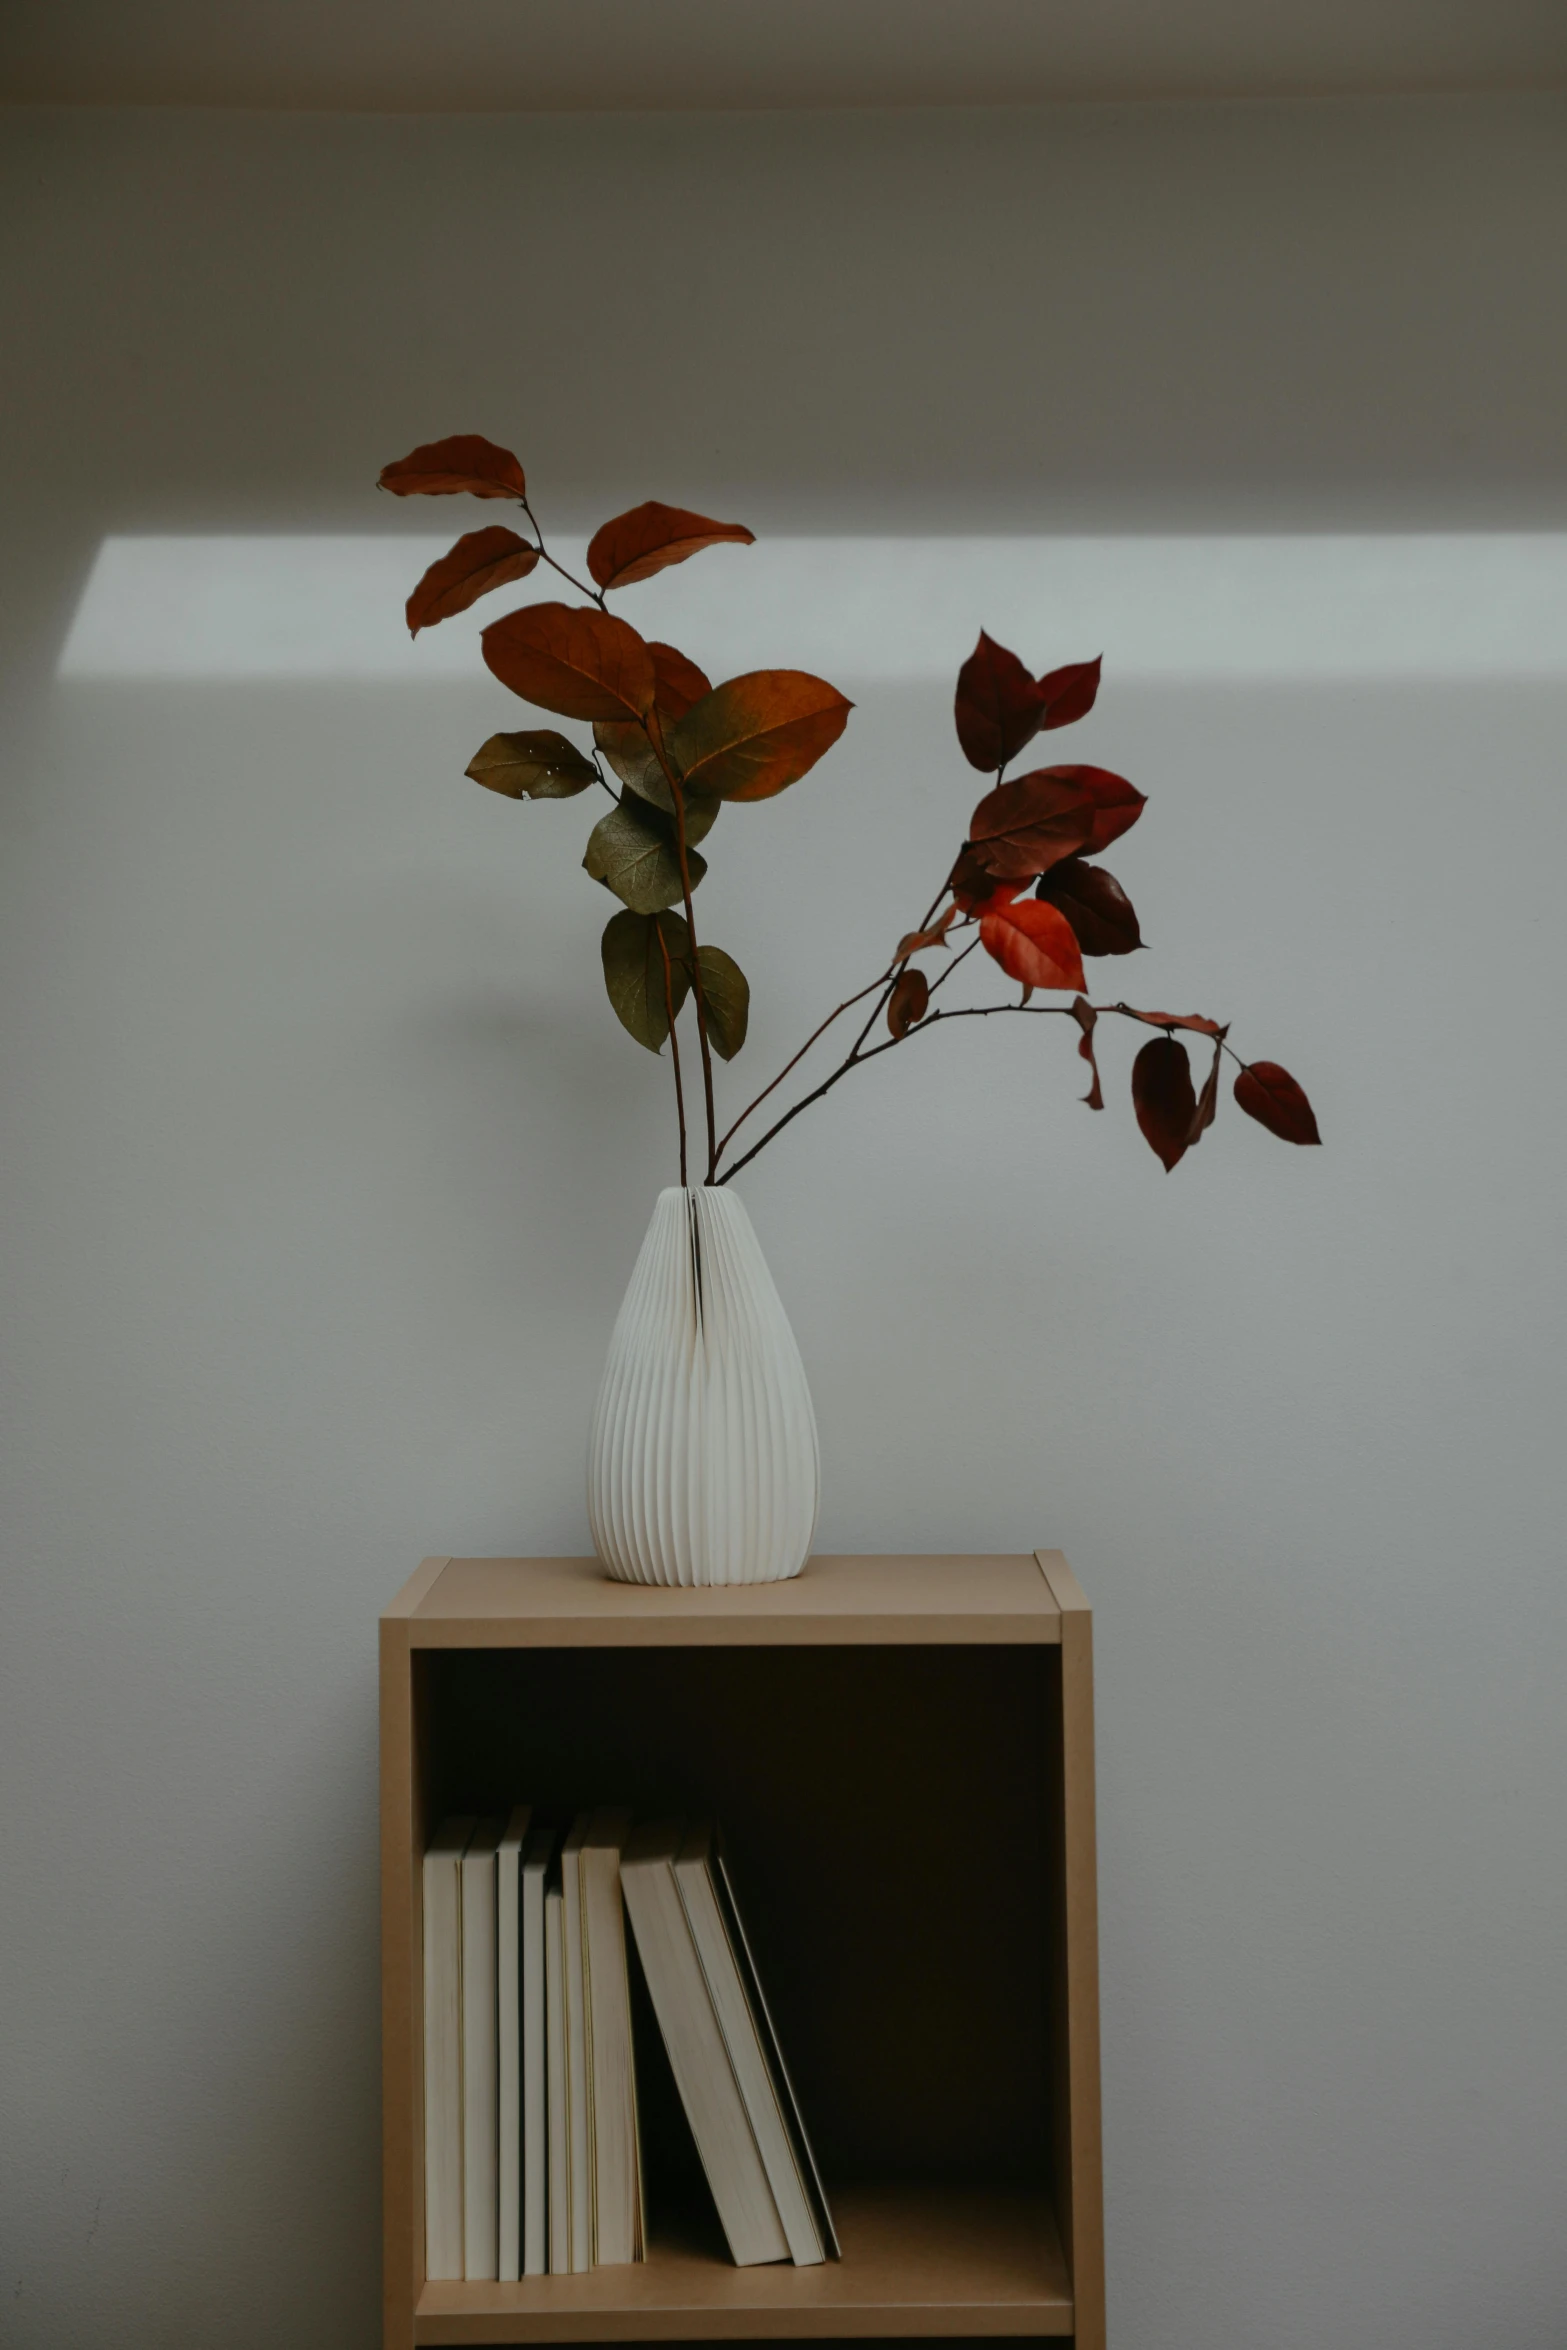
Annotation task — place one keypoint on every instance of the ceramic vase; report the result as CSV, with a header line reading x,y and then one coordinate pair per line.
x,y
703,1465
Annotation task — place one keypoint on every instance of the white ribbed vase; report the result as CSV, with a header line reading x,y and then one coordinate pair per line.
x,y
703,1464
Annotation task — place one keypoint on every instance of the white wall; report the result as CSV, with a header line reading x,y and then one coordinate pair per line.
x,y
326,1162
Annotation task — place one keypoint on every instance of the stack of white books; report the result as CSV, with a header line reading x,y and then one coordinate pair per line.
x,y
533,2160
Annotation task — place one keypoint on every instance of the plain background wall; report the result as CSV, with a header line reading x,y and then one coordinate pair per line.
x,y
325,1161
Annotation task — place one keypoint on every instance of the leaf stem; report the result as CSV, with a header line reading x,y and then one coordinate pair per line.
x,y
655,735
581,586
674,1044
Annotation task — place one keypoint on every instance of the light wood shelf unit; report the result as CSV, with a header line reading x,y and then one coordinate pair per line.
x,y
901,1749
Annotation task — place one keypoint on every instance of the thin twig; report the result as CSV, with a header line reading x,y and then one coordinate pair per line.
x,y
858,1059
816,1033
581,586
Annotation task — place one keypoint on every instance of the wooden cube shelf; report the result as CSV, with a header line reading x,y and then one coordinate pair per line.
x,y
901,1752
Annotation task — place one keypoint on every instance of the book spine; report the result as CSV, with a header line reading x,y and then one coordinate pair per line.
x,y
508,2046
535,2117
443,2198
479,2083
558,2196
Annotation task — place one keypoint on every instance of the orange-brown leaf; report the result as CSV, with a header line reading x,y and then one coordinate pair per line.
x,y
913,942
1031,941
572,660
680,683
441,469
651,537
757,734
907,1002
481,560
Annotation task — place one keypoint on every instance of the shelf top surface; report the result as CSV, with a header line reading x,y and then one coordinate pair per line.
x,y
916,2261
571,1602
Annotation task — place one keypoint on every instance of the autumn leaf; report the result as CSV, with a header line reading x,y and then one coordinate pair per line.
x,y
680,682
970,880
631,852
651,537
1095,904
481,560
1117,803
1271,1096
574,661
1068,694
1208,1100
1163,1098
726,998
1024,827
907,1003
997,707
1087,1019
1192,1020
914,942
634,977
442,469
538,766
1031,941
757,734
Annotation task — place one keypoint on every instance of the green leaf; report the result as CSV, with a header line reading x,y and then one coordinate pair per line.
x,y
541,765
726,993
634,972
632,851
632,756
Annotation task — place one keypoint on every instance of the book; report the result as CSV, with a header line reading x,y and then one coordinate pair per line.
x,y
443,2115
557,2201
508,2046
536,1853
614,2154
755,2054
479,2071
579,2187
698,2056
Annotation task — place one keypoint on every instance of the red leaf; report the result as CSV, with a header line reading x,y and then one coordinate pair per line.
x,y
481,560
914,941
1192,1020
757,734
439,469
997,708
970,880
572,660
1095,904
1086,1017
1208,1100
1163,1098
649,538
681,685
1032,942
1024,827
1117,803
907,1002
1270,1095
1068,694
